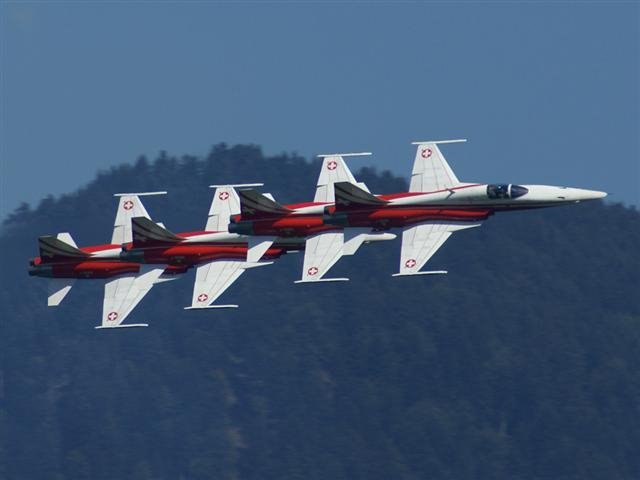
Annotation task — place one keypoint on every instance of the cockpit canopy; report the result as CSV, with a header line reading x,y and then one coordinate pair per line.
x,y
503,190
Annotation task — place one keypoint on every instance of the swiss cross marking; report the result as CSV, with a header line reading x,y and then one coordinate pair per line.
x,y
332,165
112,316
312,271
410,263
223,195
426,152
203,297
128,205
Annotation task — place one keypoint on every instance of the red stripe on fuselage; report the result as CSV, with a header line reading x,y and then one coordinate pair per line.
x,y
393,196
93,269
194,254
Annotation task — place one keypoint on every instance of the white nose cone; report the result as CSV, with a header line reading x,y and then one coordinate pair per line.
x,y
579,194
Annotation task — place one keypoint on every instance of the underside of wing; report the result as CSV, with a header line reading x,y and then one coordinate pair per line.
x,y
420,242
212,280
122,295
321,252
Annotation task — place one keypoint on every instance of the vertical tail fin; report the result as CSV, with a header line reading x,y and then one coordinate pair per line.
x,y
254,204
349,195
147,232
129,207
334,169
60,246
225,203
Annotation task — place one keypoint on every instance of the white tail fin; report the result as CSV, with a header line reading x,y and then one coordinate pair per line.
x,y
66,238
129,206
58,289
334,169
224,204
431,171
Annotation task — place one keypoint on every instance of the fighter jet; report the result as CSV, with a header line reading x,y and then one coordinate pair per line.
x,y
62,263
268,222
219,257
438,204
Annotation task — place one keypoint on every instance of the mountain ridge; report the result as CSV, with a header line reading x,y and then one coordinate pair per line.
x,y
521,362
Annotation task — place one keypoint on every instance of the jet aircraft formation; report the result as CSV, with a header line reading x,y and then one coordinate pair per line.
x,y
246,229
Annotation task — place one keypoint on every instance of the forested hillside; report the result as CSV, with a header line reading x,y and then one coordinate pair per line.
x,y
522,363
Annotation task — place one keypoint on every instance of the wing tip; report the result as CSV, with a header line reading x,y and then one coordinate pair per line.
x,y
128,325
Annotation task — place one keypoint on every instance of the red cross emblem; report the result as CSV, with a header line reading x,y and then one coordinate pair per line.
x,y
203,297
128,205
223,195
426,152
312,271
410,263
332,165
112,316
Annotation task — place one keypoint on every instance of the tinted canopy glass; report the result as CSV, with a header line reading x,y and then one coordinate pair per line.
x,y
518,191
497,191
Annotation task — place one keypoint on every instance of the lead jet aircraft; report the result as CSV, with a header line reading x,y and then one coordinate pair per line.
x,y
267,222
438,204
62,263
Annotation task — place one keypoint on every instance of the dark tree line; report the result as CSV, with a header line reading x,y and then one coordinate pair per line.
x,y
522,363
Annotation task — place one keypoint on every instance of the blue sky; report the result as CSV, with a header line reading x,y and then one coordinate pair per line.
x,y
545,92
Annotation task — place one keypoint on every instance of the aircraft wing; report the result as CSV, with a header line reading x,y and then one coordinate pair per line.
x,y
420,242
321,252
225,203
213,279
431,172
122,294
334,169
129,207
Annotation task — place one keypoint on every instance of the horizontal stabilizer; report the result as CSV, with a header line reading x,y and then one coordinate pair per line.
x,y
254,204
146,231
54,247
257,247
58,289
350,196
355,237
